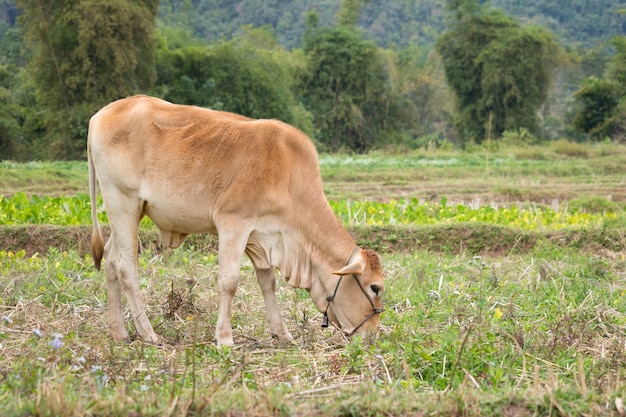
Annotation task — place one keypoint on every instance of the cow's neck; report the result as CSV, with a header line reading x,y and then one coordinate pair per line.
x,y
307,254
321,251
323,281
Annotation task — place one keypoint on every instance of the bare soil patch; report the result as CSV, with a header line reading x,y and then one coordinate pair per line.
x,y
470,238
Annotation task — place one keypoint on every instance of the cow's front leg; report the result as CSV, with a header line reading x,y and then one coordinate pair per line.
x,y
267,282
228,282
230,252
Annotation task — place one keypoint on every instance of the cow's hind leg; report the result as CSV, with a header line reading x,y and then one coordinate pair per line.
x,y
267,282
114,292
121,272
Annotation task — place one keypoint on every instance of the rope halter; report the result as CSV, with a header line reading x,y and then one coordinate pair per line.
x,y
331,298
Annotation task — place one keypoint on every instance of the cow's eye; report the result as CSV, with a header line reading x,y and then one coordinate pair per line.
x,y
375,289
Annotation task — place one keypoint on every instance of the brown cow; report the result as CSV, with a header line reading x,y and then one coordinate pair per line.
x,y
254,183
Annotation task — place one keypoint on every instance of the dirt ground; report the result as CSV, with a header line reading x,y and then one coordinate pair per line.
x,y
474,238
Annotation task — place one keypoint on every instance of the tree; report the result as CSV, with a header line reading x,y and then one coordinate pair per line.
x,y
603,101
419,105
84,54
345,87
600,116
499,71
19,128
249,75
348,14
9,123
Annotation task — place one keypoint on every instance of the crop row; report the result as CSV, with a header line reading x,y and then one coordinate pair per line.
x,y
412,211
21,209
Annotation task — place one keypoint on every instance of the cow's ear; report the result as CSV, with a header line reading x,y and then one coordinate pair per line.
x,y
356,267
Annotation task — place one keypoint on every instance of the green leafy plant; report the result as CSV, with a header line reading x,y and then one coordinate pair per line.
x,y
21,209
412,211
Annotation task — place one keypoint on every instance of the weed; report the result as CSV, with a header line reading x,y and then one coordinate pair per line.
x,y
593,204
571,149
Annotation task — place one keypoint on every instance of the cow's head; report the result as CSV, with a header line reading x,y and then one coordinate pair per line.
x,y
356,301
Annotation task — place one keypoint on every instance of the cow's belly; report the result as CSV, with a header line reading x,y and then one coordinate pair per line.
x,y
176,220
181,220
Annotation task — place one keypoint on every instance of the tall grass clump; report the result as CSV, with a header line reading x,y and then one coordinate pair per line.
x,y
570,149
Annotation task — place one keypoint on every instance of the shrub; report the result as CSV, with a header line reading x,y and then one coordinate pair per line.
x,y
570,149
520,137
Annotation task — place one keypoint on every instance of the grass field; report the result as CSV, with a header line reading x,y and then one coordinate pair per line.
x,y
481,318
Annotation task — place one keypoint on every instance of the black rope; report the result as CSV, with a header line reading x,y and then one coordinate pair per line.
x,y
330,298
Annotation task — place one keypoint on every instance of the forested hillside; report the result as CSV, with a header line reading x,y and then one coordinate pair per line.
x,y
398,22
583,22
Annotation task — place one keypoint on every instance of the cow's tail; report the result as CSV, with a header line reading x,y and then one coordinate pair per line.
x,y
97,243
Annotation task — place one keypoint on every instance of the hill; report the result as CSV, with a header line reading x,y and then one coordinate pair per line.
x,y
583,23
579,23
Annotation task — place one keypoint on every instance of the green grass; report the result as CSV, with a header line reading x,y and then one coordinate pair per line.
x,y
537,174
43,178
543,333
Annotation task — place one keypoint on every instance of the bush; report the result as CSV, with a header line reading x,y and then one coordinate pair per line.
x,y
571,149
520,137
593,205
532,153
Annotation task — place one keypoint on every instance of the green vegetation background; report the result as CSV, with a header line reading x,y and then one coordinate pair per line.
x,y
353,74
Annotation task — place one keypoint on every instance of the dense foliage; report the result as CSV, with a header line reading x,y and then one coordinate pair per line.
x,y
81,55
345,88
603,113
499,71
578,22
397,22
231,75
353,74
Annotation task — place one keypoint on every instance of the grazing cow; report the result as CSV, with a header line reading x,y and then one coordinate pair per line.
x,y
254,183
